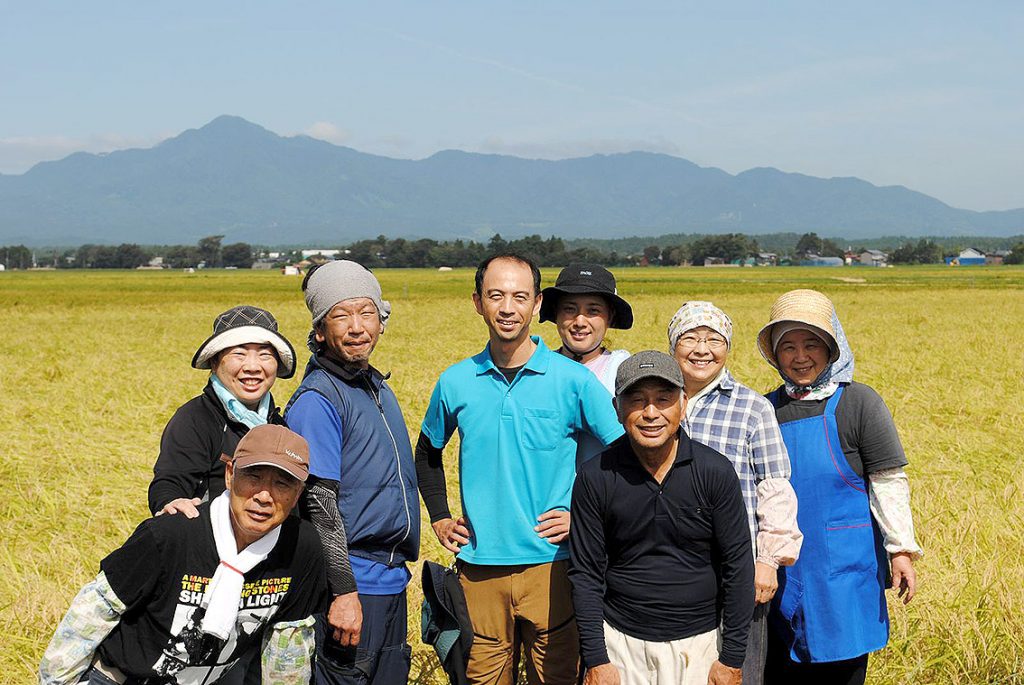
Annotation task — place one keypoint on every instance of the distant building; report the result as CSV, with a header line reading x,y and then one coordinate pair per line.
x,y
3,268
873,258
996,258
811,259
767,259
320,251
968,257
262,265
290,270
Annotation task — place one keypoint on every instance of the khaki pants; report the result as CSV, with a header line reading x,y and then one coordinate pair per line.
x,y
517,608
677,662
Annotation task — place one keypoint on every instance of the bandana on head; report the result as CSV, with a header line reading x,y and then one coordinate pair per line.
x,y
694,315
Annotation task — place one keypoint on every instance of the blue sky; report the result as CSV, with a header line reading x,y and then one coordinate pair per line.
x,y
926,95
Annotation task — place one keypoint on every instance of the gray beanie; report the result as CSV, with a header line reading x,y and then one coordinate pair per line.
x,y
342,280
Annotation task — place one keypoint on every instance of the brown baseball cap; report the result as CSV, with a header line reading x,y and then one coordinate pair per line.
x,y
273,445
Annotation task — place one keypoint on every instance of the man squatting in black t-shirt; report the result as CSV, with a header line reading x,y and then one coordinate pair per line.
x,y
184,599
659,545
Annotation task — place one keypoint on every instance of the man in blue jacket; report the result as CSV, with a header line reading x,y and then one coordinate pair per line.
x,y
362,491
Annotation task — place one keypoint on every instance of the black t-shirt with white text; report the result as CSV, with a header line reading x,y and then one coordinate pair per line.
x,y
161,574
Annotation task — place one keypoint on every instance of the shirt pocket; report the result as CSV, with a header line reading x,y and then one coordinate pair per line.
x,y
850,544
542,429
693,525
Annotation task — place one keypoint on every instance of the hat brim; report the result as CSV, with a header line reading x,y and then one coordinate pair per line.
x,y
246,335
764,339
622,313
292,470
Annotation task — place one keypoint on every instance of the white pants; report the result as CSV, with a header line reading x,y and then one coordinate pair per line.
x,y
677,662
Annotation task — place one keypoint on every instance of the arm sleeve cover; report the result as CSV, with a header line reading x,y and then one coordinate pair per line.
x,y
430,477
93,614
322,506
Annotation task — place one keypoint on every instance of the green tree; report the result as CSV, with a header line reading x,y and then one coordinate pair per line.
x,y
238,255
904,254
728,246
182,256
16,257
652,253
130,256
210,251
1016,255
675,255
829,248
808,243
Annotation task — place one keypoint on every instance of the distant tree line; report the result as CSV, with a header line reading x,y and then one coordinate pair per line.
x,y
382,252
924,252
401,253
208,252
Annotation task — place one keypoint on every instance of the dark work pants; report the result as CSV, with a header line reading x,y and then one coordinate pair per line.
x,y
781,670
382,656
757,646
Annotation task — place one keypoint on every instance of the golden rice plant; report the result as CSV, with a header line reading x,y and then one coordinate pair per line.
x,y
94,364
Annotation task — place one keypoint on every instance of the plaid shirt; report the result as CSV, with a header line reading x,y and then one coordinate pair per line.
x,y
739,423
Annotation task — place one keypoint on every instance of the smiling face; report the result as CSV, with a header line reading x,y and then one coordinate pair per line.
x,y
507,300
350,331
802,356
701,354
247,371
262,497
650,412
582,322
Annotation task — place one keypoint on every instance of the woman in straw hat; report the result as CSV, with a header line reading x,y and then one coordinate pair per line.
x,y
854,501
739,423
245,355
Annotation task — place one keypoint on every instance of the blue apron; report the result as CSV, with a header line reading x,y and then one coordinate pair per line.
x,y
830,604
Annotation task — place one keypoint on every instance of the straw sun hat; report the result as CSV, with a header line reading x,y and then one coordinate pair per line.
x,y
804,307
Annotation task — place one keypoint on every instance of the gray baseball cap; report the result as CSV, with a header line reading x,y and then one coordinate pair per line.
x,y
647,364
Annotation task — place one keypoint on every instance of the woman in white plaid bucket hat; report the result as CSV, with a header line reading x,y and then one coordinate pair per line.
x,y
245,354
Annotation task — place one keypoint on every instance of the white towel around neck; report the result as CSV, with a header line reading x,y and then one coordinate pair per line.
x,y
224,592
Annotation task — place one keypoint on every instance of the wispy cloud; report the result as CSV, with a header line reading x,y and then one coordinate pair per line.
x,y
560,84
564,149
20,153
325,130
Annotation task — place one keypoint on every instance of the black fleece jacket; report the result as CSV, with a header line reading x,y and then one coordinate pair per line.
x,y
197,435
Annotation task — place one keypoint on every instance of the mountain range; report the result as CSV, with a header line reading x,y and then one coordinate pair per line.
x,y
236,178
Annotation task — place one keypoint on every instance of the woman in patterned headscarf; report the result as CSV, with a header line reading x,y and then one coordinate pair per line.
x,y
854,501
739,423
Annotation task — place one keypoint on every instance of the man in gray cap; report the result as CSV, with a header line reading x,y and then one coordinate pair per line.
x,y
659,545
362,487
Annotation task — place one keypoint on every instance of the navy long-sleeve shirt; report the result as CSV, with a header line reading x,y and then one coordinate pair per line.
x,y
660,561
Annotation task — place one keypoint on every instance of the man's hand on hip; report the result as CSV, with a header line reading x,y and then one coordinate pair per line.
x,y
605,674
554,525
452,533
721,674
346,618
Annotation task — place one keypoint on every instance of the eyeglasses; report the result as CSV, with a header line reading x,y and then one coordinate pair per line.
x,y
688,342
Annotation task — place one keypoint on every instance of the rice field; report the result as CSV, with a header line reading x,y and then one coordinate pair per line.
x,y
94,363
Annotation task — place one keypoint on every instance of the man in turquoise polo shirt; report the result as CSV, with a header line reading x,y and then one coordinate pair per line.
x,y
519,409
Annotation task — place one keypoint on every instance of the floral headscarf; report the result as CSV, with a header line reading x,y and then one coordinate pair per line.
x,y
694,315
